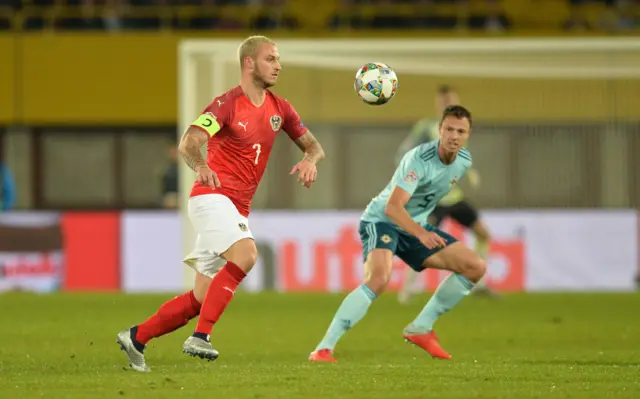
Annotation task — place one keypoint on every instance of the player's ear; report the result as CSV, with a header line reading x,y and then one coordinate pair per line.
x,y
250,61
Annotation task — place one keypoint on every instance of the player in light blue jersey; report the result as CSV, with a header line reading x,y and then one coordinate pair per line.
x,y
394,224
454,205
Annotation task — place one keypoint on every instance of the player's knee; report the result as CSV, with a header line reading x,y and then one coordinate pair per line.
x,y
377,282
377,278
247,260
243,254
474,268
378,270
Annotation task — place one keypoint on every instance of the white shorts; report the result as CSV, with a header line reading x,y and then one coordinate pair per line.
x,y
218,225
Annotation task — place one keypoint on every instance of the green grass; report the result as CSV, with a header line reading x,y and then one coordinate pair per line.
x,y
521,346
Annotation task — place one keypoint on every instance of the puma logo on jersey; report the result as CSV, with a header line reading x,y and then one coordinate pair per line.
x,y
244,125
219,103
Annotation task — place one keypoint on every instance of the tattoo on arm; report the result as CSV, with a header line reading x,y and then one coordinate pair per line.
x,y
190,143
313,151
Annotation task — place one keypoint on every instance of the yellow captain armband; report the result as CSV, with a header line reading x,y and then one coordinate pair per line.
x,y
208,123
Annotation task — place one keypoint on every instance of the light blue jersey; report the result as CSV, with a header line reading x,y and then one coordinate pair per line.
x,y
422,174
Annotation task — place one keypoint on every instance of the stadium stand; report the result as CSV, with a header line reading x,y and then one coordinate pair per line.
x,y
311,15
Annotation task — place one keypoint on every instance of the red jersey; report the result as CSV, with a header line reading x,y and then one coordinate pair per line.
x,y
239,151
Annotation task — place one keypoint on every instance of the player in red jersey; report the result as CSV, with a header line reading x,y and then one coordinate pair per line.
x,y
239,128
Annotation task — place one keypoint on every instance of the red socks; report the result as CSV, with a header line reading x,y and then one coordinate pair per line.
x,y
172,315
220,292
177,312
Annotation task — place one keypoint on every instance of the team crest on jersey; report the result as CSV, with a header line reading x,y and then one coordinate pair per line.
x,y
411,177
243,227
276,122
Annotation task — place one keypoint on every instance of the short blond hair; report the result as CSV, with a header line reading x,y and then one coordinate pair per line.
x,y
249,47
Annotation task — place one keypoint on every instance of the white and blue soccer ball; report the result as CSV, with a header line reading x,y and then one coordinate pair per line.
x,y
376,83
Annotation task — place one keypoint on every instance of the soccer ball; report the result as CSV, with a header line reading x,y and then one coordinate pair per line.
x,y
376,83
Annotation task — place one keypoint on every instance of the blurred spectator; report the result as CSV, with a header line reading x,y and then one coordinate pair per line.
x,y
90,16
210,19
426,14
495,20
341,19
6,10
577,16
112,17
489,15
387,20
7,189
621,15
613,15
274,16
170,180
144,15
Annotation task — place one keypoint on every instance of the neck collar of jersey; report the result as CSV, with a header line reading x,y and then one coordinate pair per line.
x,y
440,159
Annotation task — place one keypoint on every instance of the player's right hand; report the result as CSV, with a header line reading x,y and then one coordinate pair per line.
x,y
207,177
432,240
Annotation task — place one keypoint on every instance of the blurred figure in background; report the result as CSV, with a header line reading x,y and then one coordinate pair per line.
x,y
453,205
170,180
274,15
7,189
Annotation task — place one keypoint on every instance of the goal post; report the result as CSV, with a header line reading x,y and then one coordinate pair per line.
x,y
498,66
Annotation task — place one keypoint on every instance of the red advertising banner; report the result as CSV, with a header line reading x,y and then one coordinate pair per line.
x,y
92,249
44,252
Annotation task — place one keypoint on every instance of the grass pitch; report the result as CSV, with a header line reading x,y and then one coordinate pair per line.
x,y
520,346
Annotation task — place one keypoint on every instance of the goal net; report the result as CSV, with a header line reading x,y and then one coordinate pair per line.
x,y
555,120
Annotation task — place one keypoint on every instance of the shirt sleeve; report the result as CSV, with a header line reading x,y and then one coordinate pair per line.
x,y
293,126
409,174
215,116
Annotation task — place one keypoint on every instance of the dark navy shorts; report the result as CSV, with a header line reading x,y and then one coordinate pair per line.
x,y
406,246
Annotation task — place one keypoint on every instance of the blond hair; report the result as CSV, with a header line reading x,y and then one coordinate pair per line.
x,y
249,47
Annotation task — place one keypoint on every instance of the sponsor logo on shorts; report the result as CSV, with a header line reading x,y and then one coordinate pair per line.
x,y
243,227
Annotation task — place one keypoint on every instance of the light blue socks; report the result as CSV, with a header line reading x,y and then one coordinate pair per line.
x,y
356,304
450,291
351,311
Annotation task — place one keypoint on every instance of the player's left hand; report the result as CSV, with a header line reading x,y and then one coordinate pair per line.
x,y
307,172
